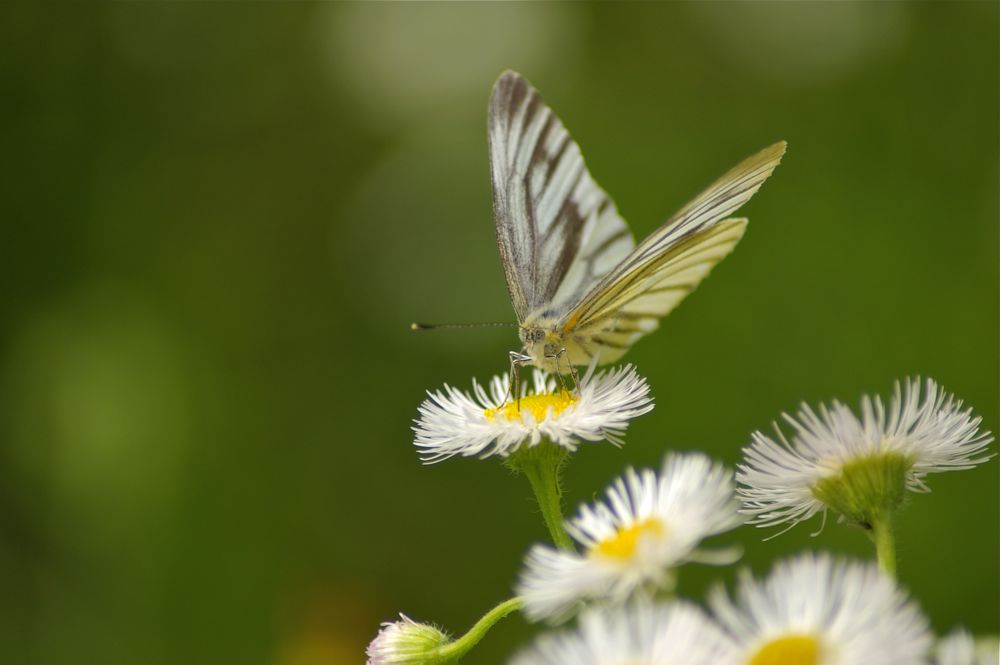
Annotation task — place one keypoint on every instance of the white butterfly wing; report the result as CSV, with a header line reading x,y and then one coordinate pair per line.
x,y
630,300
635,308
558,232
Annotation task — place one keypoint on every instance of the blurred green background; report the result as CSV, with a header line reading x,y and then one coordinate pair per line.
x,y
218,220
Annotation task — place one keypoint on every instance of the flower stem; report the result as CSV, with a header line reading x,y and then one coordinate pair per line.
x,y
454,650
885,542
542,464
545,483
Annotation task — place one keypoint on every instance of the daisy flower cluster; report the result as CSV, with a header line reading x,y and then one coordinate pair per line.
x,y
606,586
612,567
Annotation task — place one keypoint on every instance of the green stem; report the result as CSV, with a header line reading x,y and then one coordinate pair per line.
x,y
545,483
885,543
541,464
451,652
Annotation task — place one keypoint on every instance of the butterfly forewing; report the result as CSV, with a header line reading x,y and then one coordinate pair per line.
x,y
558,232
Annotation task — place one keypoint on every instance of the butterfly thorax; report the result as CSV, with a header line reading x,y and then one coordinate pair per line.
x,y
556,346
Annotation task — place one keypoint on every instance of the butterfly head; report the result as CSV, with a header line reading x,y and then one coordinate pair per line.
x,y
542,343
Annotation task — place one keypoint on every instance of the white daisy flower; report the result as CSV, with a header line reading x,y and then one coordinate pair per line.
x,y
647,526
453,422
836,459
959,648
405,642
641,633
814,610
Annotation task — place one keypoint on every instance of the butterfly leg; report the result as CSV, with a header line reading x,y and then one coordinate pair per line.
x,y
559,375
514,384
572,370
558,358
576,378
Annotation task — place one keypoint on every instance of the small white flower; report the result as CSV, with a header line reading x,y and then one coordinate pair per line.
x,y
640,634
453,422
918,434
648,525
958,648
815,610
405,642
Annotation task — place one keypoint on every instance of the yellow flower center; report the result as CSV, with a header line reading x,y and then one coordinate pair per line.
x,y
622,544
789,650
537,405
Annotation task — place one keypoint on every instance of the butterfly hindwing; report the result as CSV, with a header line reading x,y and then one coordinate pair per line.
x,y
558,232
636,306
629,301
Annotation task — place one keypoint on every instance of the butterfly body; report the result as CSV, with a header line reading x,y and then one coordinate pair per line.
x,y
553,346
581,287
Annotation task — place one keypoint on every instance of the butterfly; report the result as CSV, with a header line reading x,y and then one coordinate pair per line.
x,y
581,288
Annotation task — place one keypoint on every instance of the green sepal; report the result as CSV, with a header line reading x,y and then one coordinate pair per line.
x,y
866,489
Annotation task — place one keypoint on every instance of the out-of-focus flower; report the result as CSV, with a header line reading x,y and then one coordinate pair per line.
x,y
641,632
959,648
648,525
814,610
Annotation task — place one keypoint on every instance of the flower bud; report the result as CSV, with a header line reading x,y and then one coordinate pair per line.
x,y
406,642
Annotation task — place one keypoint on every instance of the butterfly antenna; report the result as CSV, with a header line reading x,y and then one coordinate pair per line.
x,y
437,326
